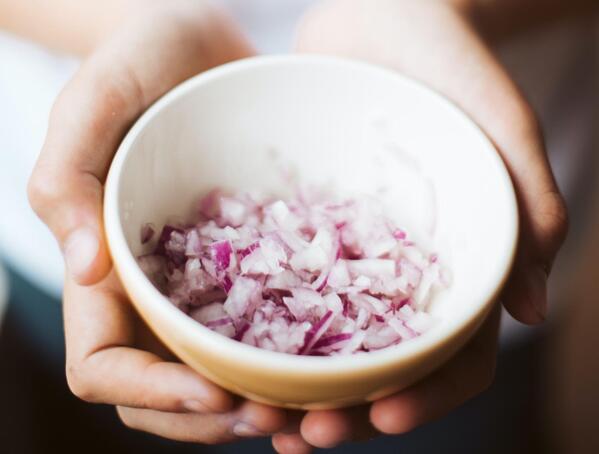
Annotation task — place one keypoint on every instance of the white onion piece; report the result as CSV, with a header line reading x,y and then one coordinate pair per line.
x,y
375,268
420,322
233,211
241,296
214,317
333,303
339,275
313,258
285,280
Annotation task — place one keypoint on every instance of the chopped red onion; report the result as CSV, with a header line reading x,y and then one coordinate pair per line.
x,y
316,332
331,340
220,253
310,276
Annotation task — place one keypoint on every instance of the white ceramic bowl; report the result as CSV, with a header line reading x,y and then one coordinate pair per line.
x,y
344,124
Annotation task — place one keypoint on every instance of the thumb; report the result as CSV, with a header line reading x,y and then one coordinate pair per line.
x,y
155,52
66,187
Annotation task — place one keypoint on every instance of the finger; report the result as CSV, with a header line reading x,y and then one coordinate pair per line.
x,y
247,421
329,428
290,444
525,295
102,365
254,419
289,438
90,117
469,373
481,87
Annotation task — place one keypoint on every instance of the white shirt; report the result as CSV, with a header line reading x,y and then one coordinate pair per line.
x,y
554,68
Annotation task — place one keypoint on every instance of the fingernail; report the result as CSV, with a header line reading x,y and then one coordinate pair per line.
x,y
80,250
537,287
195,406
243,429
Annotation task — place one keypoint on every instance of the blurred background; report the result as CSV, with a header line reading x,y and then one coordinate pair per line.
x,y
546,394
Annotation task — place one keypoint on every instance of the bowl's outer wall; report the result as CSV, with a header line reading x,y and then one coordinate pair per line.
x,y
298,390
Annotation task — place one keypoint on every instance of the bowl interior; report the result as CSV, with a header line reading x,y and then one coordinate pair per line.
x,y
263,123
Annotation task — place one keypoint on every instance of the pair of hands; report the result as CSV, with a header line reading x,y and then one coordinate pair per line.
x,y
112,358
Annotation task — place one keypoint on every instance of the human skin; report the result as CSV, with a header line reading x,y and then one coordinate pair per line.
x,y
438,44
131,60
111,357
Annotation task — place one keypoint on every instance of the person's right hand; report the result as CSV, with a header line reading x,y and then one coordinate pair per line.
x,y
111,357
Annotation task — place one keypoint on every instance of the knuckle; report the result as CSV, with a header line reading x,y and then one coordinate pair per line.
x,y
117,94
78,383
554,214
45,187
43,190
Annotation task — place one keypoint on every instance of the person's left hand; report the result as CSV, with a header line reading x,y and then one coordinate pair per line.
x,y
436,42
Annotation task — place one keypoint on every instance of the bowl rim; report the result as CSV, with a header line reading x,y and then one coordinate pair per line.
x,y
126,264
